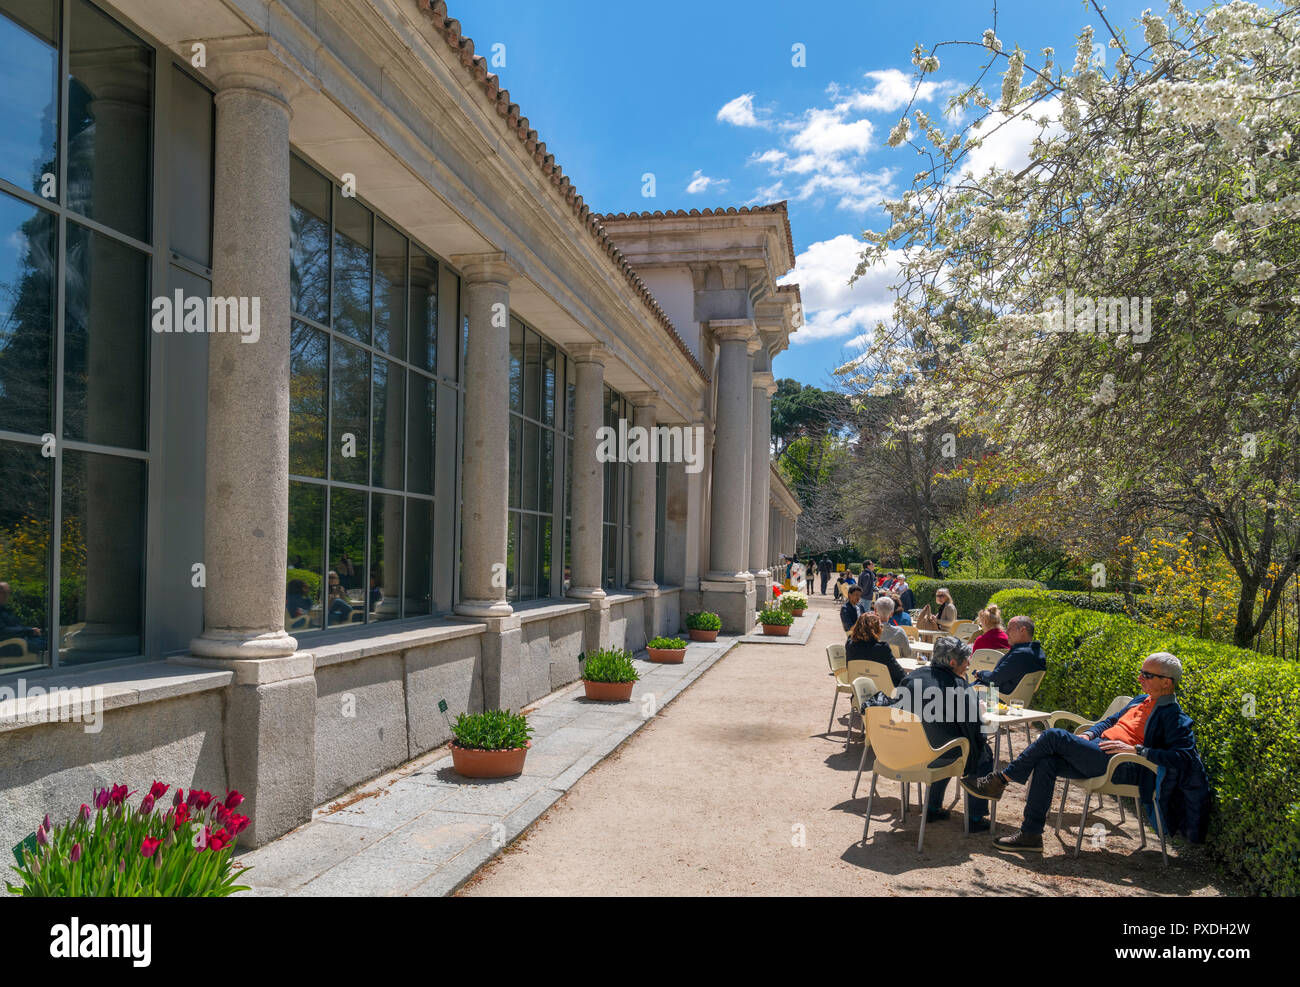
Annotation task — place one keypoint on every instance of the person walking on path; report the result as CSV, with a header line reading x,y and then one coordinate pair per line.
x,y
824,567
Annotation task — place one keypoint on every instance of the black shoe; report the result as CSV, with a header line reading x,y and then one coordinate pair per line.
x,y
987,787
980,825
1021,841
937,815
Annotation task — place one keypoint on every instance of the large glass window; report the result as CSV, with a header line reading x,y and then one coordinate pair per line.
x,y
364,390
537,370
74,332
617,491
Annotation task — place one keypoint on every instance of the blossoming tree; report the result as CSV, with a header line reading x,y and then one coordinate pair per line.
x,y
1121,312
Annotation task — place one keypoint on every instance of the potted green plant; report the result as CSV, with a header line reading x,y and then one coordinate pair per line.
x,y
608,675
796,603
776,621
667,650
703,626
491,744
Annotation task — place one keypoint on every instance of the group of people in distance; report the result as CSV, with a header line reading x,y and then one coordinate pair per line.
x,y
1152,725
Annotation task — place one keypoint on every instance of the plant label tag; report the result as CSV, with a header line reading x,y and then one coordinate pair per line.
x,y
442,705
27,844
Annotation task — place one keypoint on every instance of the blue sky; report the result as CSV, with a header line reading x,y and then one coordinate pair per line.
x,y
705,96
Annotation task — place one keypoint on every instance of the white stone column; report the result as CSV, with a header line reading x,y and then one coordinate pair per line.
x,y
728,539
485,471
247,471
588,512
644,495
760,491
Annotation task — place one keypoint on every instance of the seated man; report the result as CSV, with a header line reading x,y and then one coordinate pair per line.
x,y
12,626
1153,726
901,617
939,694
850,612
1024,657
890,634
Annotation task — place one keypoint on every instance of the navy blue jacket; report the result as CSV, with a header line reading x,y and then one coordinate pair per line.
x,y
849,615
1181,785
1021,660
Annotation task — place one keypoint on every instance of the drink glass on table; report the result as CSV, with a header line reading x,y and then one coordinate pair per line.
x,y
1017,707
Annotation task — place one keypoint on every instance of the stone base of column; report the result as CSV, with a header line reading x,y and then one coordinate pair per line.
x,y
586,593
237,646
595,630
763,587
733,601
484,608
652,616
270,740
502,663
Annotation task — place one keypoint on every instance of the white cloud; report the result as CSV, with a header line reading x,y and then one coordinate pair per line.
x,y
891,92
740,112
701,182
833,309
824,148
1007,141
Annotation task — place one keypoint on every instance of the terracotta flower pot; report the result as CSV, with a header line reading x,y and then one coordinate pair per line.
x,y
472,763
703,635
608,692
776,630
796,613
673,656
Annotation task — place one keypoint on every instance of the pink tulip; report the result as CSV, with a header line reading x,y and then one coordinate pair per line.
x,y
76,852
41,838
146,805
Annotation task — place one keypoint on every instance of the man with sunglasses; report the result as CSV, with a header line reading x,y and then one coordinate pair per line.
x,y
1152,726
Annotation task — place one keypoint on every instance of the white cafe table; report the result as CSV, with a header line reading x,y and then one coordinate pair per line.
x,y
922,647
931,634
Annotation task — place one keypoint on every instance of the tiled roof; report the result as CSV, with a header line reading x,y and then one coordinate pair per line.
x,y
476,66
719,211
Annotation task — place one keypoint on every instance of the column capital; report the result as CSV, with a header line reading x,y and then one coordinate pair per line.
x,y
728,330
489,267
643,399
764,380
254,62
588,352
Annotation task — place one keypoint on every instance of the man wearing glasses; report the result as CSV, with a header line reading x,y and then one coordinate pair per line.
x,y
1152,725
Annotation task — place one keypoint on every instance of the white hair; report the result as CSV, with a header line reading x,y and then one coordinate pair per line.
x,y
884,606
1168,665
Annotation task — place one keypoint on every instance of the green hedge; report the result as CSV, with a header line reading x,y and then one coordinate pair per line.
x,y
970,596
1115,603
1251,759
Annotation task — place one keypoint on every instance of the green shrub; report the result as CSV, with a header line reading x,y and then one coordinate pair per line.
x,y
493,730
666,644
609,665
793,601
775,616
703,621
1243,708
1115,603
969,596
311,579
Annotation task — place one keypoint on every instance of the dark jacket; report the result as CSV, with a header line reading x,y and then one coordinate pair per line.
x,y
908,599
1021,660
10,625
849,615
1180,784
824,567
877,651
948,708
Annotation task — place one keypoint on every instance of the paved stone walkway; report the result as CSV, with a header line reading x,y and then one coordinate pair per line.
x,y
424,830
738,789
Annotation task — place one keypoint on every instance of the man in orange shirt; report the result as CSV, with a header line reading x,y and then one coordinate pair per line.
x,y
1151,726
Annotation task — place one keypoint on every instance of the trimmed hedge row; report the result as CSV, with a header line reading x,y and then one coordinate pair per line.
x,y
1115,603
970,596
1243,707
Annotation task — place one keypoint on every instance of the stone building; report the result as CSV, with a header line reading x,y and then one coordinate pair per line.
x,y
312,365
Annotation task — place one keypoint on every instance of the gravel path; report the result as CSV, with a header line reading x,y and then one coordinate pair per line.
x,y
735,789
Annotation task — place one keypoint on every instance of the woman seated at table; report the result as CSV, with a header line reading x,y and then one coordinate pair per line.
x,y
864,644
901,617
945,612
994,634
